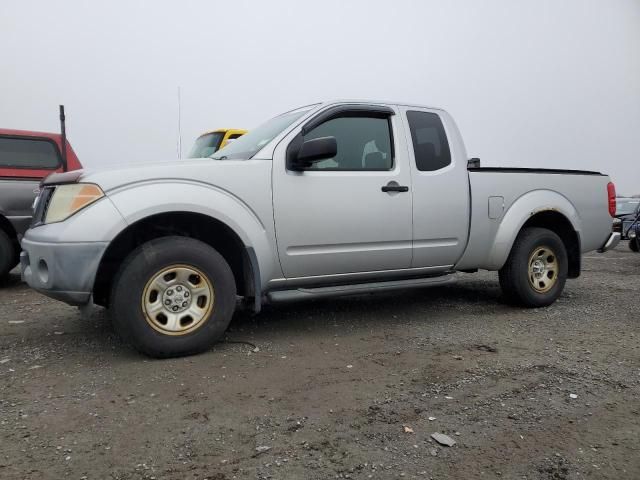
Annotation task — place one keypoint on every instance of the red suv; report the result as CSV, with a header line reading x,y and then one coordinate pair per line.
x,y
25,159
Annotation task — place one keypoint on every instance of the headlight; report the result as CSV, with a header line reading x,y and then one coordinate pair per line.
x,y
68,199
633,234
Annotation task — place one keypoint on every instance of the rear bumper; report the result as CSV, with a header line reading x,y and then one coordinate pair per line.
x,y
612,241
64,271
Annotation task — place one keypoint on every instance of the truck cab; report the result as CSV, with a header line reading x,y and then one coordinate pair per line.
x,y
26,158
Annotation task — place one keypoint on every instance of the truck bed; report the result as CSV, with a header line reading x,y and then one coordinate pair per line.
x,y
502,199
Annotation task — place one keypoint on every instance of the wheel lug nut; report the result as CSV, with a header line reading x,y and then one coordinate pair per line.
x,y
186,294
179,289
169,292
184,304
167,302
175,309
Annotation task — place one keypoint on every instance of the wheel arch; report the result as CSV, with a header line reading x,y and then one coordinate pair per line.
x,y
10,231
210,230
544,209
7,227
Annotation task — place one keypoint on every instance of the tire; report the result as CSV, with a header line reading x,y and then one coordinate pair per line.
x,y
8,255
633,245
165,270
536,270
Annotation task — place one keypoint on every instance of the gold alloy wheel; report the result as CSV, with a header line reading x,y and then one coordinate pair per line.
x,y
177,300
543,269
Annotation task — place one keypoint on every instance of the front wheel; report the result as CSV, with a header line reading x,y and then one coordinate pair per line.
x,y
173,296
633,244
536,270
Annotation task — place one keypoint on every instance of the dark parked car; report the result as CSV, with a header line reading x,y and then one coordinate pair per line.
x,y
627,210
633,232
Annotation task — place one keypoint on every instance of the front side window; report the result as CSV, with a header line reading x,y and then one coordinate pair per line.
x,y
364,143
28,153
430,144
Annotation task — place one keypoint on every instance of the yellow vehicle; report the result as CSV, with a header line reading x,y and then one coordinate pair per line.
x,y
210,142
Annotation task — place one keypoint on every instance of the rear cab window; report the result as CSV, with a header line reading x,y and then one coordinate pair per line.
x,y
28,153
430,144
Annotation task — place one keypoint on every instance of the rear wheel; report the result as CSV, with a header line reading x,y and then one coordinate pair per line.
x,y
633,244
173,296
8,255
536,270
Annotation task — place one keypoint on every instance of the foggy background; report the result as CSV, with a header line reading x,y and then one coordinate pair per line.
x,y
530,83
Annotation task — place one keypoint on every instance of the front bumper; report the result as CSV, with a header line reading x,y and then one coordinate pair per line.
x,y
64,271
612,241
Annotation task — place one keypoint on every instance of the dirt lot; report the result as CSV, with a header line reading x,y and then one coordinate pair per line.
x,y
333,386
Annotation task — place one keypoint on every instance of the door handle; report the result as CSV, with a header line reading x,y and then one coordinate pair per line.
x,y
394,187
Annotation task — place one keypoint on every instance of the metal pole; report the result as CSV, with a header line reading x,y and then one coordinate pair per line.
x,y
179,127
63,135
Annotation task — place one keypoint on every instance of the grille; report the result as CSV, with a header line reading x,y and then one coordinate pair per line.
x,y
42,204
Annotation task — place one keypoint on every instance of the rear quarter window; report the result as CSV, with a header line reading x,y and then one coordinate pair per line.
x,y
16,152
430,144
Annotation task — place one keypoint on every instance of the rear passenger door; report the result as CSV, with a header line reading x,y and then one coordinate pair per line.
x,y
440,186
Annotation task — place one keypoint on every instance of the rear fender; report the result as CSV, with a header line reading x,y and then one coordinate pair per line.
x,y
520,211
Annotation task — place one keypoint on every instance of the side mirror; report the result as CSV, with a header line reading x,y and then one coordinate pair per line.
x,y
314,150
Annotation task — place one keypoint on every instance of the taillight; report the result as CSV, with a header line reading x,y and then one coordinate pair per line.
x,y
611,191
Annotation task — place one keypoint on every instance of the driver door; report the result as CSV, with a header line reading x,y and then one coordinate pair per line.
x,y
335,217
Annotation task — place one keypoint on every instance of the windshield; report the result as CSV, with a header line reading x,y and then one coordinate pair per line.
x,y
249,144
627,207
206,145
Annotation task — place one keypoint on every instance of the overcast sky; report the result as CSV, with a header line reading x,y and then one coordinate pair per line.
x,y
530,83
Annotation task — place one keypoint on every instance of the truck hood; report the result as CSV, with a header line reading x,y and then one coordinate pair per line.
x,y
198,170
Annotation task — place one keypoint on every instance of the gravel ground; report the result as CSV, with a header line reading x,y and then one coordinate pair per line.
x,y
346,388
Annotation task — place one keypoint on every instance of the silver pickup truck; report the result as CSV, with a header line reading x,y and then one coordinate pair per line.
x,y
329,199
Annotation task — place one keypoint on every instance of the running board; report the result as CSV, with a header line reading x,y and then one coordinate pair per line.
x,y
358,288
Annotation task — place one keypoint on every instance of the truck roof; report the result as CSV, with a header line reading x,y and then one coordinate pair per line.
x,y
29,133
377,102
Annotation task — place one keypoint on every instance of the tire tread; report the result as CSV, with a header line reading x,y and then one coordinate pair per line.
x,y
130,278
513,275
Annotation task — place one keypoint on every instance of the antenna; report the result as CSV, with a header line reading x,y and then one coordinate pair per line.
x,y
63,138
179,127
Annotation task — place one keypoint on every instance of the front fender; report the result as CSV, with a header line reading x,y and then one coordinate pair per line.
x,y
252,223
99,222
521,210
